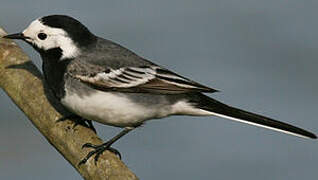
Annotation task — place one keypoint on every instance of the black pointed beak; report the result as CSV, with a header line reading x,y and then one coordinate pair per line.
x,y
16,36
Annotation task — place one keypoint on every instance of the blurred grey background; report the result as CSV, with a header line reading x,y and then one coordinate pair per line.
x,y
262,55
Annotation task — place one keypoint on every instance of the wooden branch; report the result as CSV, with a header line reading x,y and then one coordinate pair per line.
x,y
22,81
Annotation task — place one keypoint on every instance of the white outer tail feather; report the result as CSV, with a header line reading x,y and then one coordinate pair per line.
x,y
254,124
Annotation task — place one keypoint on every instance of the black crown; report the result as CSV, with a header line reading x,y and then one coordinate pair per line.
x,y
75,29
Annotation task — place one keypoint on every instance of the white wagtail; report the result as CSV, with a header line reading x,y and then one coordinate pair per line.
x,y
102,81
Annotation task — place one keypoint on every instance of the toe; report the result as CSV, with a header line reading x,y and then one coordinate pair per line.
x,y
115,151
90,154
89,145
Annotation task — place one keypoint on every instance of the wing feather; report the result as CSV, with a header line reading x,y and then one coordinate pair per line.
x,y
151,79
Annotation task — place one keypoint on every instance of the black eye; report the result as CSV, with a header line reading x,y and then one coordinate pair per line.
x,y
42,36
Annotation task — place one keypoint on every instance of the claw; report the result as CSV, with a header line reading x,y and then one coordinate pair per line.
x,y
98,153
83,161
89,145
115,151
98,150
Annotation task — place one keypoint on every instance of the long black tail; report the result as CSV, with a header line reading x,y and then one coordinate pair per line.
x,y
222,110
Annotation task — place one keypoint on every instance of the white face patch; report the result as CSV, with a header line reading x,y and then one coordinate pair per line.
x,y
56,37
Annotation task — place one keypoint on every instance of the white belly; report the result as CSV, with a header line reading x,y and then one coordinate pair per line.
x,y
111,109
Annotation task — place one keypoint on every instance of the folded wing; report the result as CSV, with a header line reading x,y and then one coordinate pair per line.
x,y
146,79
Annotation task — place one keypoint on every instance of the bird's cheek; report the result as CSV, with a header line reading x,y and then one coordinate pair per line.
x,y
31,42
42,44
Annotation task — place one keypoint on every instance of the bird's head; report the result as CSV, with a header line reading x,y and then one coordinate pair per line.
x,y
58,33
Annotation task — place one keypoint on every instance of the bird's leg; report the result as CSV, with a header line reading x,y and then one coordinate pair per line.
x,y
99,149
90,125
78,121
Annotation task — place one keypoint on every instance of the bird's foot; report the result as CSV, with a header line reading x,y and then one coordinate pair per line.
x,y
98,150
79,121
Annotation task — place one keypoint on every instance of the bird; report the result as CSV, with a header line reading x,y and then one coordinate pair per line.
x,y
102,81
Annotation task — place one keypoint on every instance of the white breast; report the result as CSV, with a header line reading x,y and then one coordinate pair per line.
x,y
111,108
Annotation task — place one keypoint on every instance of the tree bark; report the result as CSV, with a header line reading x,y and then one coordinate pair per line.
x,y
23,82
